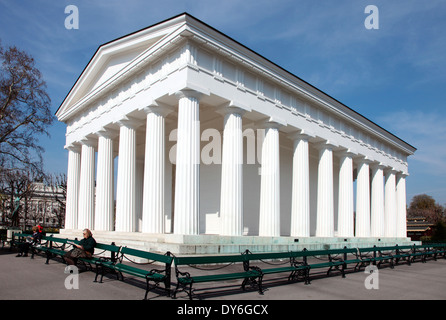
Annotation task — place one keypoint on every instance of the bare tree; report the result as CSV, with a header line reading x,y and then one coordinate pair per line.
x,y
24,111
17,189
58,185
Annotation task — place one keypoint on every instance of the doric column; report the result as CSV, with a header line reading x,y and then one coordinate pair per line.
x,y
377,221
401,222
187,178
325,203
231,196
363,199
345,196
74,165
300,193
104,215
86,187
269,223
126,183
390,204
154,172
139,191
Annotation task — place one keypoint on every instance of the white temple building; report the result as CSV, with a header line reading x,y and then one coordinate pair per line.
x,y
179,134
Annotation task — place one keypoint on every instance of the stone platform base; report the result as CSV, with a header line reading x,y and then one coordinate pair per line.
x,y
216,244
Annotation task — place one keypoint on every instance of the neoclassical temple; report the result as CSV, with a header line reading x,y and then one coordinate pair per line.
x,y
179,129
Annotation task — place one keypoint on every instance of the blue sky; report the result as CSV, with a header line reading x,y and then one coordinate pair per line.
x,y
394,75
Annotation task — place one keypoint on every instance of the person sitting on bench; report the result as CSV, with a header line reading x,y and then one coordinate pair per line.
x,y
30,241
84,249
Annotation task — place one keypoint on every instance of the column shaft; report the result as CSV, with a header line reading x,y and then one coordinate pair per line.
x,y
71,212
104,215
187,183
126,183
363,201
390,204
401,223
325,203
153,198
269,224
231,196
377,228
300,198
86,188
345,201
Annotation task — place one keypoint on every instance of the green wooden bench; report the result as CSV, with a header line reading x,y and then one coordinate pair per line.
x,y
421,252
424,251
186,280
403,253
385,254
280,262
55,247
104,255
369,255
17,238
155,275
440,249
330,259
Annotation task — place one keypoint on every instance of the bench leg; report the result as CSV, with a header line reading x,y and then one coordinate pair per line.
x,y
174,294
344,266
97,273
147,289
260,285
190,291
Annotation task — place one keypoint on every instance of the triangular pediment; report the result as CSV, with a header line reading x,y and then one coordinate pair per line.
x,y
111,58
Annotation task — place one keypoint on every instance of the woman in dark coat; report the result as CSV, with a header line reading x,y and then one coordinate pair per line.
x,y
84,249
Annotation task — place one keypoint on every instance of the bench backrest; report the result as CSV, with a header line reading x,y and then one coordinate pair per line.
x,y
146,255
387,248
269,255
404,247
20,235
107,247
329,252
59,240
192,260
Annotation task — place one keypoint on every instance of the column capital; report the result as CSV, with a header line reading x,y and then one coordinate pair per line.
x,y
345,152
129,122
189,93
401,174
74,147
375,165
232,107
107,133
157,107
390,170
326,144
360,159
300,134
271,122
88,142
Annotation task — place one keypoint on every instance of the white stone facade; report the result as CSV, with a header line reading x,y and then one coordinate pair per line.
x,y
192,133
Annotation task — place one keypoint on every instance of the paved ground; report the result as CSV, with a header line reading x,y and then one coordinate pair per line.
x,y
22,278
